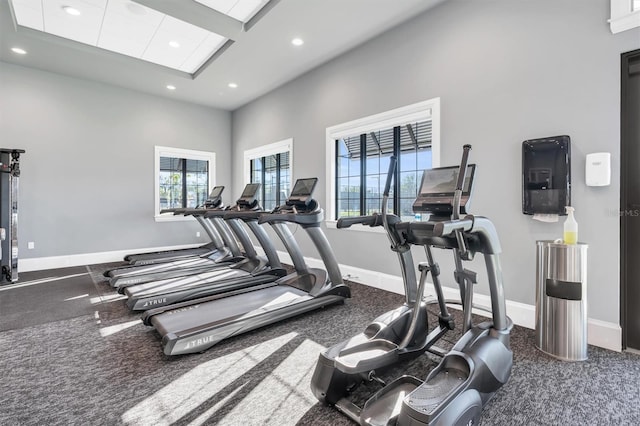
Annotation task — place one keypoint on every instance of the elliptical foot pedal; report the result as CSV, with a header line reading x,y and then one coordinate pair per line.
x,y
367,356
383,408
445,398
432,393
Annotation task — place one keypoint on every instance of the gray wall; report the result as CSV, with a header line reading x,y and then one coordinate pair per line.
x,y
87,179
505,71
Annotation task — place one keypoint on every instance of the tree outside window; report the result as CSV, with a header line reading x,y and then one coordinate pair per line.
x,y
362,162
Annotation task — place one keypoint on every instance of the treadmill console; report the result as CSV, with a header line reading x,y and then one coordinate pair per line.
x,y
301,192
215,197
438,188
249,195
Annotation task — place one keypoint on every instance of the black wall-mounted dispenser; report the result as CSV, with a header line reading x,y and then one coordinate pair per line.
x,y
546,175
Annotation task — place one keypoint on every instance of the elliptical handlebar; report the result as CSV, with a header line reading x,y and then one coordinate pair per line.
x,y
457,198
462,172
385,199
387,187
447,227
372,221
392,168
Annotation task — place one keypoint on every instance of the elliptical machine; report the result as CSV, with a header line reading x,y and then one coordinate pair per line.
x,y
479,363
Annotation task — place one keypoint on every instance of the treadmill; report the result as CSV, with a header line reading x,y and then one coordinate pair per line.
x,y
197,325
254,270
139,274
221,246
214,201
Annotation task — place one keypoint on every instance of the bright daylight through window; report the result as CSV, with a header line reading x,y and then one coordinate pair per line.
x,y
362,162
183,178
270,166
359,153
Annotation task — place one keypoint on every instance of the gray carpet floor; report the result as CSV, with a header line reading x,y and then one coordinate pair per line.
x,y
72,354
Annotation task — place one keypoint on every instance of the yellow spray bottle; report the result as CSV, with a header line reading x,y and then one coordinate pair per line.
x,y
570,227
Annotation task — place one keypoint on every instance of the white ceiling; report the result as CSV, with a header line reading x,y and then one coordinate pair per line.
x,y
128,28
240,10
260,59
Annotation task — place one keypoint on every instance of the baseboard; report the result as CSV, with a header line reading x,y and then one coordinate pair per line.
x,y
54,262
600,333
604,334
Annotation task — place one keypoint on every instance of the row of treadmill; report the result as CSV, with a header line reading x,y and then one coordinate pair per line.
x,y
197,297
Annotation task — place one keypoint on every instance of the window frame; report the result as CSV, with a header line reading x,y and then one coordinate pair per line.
x,y
420,111
623,17
280,147
189,154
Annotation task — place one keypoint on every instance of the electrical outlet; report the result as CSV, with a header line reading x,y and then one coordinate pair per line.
x,y
31,245
197,234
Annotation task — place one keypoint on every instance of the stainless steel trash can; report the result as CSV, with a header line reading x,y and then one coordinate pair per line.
x,y
561,300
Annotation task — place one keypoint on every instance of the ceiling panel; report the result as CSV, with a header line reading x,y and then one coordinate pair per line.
x,y
242,10
171,30
223,6
30,12
128,28
259,60
124,27
212,43
84,28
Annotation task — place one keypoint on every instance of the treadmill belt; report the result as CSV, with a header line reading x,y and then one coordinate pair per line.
x,y
162,267
169,254
227,309
172,284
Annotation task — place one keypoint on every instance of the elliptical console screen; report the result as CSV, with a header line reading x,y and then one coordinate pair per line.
x,y
438,188
442,181
250,192
301,192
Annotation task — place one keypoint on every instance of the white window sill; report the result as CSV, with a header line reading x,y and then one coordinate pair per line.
x,y
625,22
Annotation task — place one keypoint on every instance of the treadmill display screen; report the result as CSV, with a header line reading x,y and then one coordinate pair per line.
x,y
442,181
250,190
216,192
304,187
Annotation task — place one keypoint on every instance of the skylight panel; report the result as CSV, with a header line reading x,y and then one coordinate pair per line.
x,y
242,10
30,13
124,27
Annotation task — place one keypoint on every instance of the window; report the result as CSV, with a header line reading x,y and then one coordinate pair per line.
x,y
270,166
358,156
272,171
625,15
182,179
362,163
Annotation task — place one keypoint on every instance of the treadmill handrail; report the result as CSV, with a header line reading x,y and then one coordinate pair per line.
x,y
243,215
237,208
306,219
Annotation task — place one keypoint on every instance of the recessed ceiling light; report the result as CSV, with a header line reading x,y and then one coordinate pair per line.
x,y
297,42
18,51
233,85
171,87
71,10
174,43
